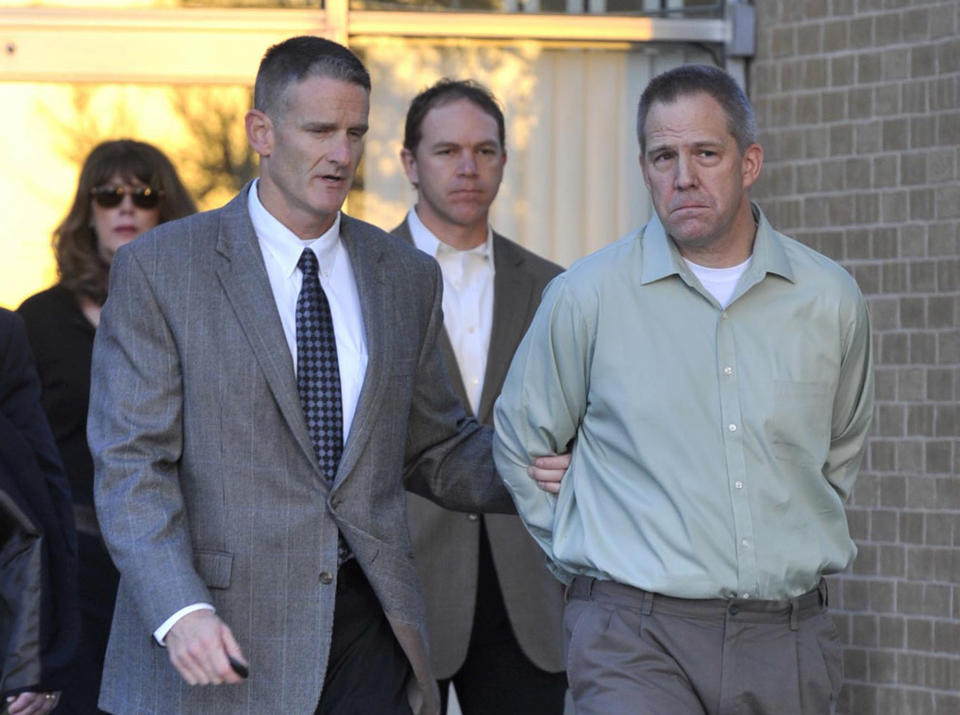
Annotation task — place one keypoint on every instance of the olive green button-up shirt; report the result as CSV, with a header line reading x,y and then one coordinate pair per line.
x,y
713,448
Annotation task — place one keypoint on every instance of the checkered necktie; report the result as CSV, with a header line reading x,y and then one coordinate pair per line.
x,y
318,374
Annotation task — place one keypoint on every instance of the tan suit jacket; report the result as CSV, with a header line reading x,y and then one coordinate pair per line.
x,y
446,543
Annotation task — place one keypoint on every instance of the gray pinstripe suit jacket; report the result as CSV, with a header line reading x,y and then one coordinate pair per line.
x,y
207,487
446,543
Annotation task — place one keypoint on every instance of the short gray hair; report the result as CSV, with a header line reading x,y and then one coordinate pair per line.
x,y
297,58
692,79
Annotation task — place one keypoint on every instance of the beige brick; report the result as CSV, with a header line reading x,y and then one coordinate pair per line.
x,y
809,39
808,109
855,663
921,204
943,94
923,348
941,166
948,54
944,242
783,42
860,103
914,97
842,8
816,142
868,136
896,134
923,132
940,311
833,175
915,25
947,202
884,243
867,208
913,169
836,37
815,73
896,64
893,206
841,140
913,240
923,60
943,23
891,631
919,634
940,384
886,170
946,637
948,272
869,67
886,100
861,33
887,29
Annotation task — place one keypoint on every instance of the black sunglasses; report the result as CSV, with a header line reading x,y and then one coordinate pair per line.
x,y
108,197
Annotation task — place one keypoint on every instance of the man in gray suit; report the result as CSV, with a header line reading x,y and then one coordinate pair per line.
x,y
263,376
493,610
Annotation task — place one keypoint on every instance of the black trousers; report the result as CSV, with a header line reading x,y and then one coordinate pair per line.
x,y
497,678
367,671
97,583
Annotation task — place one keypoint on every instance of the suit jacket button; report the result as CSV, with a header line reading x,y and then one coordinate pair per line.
x,y
472,517
326,577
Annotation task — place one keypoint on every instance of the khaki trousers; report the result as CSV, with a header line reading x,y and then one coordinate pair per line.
x,y
632,652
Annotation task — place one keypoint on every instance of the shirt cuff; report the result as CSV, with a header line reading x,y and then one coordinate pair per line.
x,y
161,633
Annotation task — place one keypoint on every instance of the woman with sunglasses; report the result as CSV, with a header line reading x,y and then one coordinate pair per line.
x,y
126,188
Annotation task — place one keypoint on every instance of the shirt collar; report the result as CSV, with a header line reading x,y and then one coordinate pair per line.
x,y
284,245
426,240
661,257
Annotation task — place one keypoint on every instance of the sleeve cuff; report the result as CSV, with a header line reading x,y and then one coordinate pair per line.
x,y
161,633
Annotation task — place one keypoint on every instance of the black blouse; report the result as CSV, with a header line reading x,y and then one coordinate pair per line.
x,y
62,342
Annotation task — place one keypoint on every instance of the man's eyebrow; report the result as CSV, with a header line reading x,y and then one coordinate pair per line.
x,y
667,146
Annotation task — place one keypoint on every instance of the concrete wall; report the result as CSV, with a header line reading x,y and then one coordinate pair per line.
x,y
858,103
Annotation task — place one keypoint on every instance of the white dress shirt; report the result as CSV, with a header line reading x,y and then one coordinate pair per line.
x,y
281,250
467,301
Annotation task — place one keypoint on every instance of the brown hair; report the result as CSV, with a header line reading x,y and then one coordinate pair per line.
x,y
81,268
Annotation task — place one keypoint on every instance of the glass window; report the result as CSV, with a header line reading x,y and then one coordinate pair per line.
x,y
667,8
572,181
51,129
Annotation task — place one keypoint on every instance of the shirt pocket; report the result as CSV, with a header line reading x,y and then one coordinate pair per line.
x,y
800,430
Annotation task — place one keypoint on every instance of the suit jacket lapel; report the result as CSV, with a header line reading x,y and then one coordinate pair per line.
x,y
512,292
369,272
244,279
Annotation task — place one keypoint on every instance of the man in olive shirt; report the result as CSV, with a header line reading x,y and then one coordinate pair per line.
x,y
714,379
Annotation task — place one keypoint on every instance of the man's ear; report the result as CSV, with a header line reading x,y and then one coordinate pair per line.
x,y
259,132
751,163
410,166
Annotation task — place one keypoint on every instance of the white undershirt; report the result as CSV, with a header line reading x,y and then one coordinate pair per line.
x,y
719,282
281,249
467,301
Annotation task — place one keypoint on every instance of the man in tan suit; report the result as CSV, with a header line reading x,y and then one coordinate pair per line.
x,y
493,609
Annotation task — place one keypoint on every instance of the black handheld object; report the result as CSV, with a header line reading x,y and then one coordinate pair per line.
x,y
238,667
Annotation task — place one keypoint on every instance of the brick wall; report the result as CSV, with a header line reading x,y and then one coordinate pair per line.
x,y
858,103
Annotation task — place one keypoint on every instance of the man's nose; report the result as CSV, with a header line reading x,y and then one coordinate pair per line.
x,y
467,165
686,172
339,150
